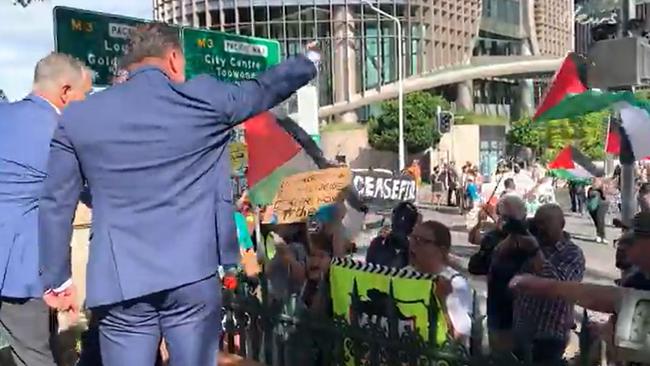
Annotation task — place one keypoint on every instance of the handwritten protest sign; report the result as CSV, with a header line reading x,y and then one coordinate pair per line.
x,y
300,195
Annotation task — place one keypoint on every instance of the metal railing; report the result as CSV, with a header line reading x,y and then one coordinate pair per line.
x,y
275,334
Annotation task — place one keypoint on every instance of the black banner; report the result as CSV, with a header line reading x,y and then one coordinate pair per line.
x,y
378,187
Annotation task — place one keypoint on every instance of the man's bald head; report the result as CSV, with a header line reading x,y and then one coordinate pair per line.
x,y
549,220
61,79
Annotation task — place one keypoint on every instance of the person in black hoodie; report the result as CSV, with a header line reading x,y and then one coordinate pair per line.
x,y
391,248
511,224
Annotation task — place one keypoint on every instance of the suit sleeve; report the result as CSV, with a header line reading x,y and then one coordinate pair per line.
x,y
57,207
240,101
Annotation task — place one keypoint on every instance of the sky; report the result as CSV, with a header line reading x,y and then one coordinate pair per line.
x,y
26,35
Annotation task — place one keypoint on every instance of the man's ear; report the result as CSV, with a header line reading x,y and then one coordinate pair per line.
x,y
66,89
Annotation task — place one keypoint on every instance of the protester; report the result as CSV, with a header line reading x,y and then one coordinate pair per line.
x,y
26,128
577,196
315,293
473,198
511,214
623,261
438,186
430,243
542,325
392,249
416,172
597,207
643,197
286,270
600,298
486,223
451,177
155,185
509,188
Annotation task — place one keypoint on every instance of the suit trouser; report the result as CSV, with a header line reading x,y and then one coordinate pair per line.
x,y
188,317
29,324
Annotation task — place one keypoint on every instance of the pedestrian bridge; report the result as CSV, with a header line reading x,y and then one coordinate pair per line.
x,y
480,67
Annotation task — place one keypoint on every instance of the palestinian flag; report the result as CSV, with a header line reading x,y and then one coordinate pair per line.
x,y
569,80
635,128
278,148
572,164
613,142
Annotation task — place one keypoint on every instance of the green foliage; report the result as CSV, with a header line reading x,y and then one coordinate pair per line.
x,y
546,139
419,120
525,133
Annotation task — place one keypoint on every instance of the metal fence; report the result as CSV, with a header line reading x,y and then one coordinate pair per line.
x,y
276,334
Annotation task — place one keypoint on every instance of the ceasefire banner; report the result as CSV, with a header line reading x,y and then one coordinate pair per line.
x,y
372,294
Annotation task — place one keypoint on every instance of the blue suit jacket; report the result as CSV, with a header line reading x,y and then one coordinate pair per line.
x,y
151,152
26,129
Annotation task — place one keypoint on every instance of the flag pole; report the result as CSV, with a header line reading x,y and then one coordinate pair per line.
x,y
628,207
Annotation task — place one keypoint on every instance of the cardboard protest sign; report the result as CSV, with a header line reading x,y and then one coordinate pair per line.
x,y
300,195
535,194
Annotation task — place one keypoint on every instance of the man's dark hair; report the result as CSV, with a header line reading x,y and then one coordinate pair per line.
x,y
509,183
516,169
150,40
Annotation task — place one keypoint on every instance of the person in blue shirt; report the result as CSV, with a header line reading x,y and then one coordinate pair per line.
x,y
472,191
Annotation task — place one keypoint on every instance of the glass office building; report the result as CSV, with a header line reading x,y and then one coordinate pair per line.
x,y
360,46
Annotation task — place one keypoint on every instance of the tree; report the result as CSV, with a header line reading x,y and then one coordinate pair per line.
x,y
546,139
524,133
419,122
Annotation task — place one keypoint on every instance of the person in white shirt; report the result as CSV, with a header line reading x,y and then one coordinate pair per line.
x,y
429,246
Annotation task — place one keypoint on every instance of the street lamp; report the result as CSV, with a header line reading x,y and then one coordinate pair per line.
x,y
400,82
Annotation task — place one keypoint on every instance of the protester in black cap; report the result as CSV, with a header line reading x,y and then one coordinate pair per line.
x,y
391,248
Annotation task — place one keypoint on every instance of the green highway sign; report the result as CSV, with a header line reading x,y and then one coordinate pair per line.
x,y
227,56
100,39
97,39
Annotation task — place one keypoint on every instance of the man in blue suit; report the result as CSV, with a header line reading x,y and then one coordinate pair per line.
x,y
149,150
26,129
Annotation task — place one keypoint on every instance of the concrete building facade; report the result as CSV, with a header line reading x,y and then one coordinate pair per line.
x,y
360,46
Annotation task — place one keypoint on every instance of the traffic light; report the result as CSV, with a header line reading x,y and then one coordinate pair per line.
x,y
445,121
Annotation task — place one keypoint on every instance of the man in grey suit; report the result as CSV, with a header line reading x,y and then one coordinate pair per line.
x,y
149,150
26,129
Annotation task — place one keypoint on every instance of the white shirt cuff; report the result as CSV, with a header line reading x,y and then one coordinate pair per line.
x,y
63,287
314,57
